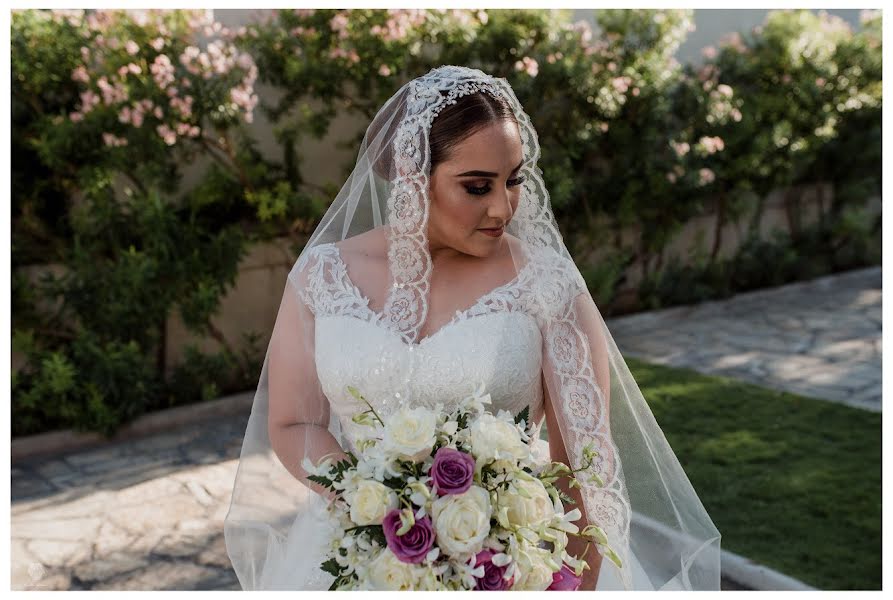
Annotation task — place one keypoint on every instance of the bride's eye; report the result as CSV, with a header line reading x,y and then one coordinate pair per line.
x,y
480,191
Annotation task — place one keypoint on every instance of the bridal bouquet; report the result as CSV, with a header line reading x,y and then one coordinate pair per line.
x,y
452,501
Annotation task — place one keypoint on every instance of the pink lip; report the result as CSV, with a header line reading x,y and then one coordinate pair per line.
x,y
492,232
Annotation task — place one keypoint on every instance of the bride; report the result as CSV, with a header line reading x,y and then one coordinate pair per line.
x,y
439,267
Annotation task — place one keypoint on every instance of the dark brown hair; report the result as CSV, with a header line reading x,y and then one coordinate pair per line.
x,y
467,116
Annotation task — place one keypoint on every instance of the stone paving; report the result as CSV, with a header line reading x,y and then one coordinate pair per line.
x,y
148,514
820,338
140,515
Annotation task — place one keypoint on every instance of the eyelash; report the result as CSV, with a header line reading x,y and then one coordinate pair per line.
x,y
480,191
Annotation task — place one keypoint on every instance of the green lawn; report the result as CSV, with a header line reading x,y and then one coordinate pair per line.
x,y
791,482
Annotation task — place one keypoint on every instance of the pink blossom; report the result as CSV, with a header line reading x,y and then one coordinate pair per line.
x,y
157,44
585,32
245,61
786,78
124,115
162,70
194,131
680,148
736,115
705,176
159,114
724,89
621,84
635,91
671,177
709,52
339,25
168,134
612,66
80,74
89,99
111,94
483,17
711,144
528,65
112,140
76,116
820,82
136,117
85,53
131,47
183,105
384,70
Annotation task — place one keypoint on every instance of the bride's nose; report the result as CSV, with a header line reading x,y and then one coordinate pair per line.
x,y
500,206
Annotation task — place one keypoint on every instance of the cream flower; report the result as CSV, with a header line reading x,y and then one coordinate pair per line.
x,y
533,574
410,433
527,511
493,438
462,521
387,572
371,502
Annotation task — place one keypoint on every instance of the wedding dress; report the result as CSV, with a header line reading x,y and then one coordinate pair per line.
x,y
537,336
496,341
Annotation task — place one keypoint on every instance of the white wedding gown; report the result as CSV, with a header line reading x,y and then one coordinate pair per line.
x,y
497,342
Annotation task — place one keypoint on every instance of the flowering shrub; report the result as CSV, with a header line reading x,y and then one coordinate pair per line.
x,y
114,99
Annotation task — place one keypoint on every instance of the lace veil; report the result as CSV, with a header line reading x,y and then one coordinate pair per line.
x,y
647,505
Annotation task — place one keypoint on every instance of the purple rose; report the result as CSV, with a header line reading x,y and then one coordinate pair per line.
x,y
452,471
565,580
493,579
412,546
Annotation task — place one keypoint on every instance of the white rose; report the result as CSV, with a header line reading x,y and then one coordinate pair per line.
x,y
371,502
387,572
409,433
532,511
533,573
462,521
493,438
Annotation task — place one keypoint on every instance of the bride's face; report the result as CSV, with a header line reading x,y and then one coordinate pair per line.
x,y
477,187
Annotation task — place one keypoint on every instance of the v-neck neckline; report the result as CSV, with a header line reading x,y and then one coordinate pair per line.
x,y
458,316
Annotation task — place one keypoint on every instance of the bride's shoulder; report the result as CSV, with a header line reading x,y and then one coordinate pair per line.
x,y
370,244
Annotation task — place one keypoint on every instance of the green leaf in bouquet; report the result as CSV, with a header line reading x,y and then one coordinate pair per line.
x,y
612,556
596,533
524,415
323,481
565,498
596,479
331,567
356,394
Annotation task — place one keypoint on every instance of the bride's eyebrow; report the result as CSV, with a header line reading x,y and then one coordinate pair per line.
x,y
486,173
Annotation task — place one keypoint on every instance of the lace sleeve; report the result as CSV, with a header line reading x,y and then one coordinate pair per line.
x,y
577,374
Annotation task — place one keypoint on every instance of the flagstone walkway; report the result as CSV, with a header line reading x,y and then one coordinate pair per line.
x,y
820,338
